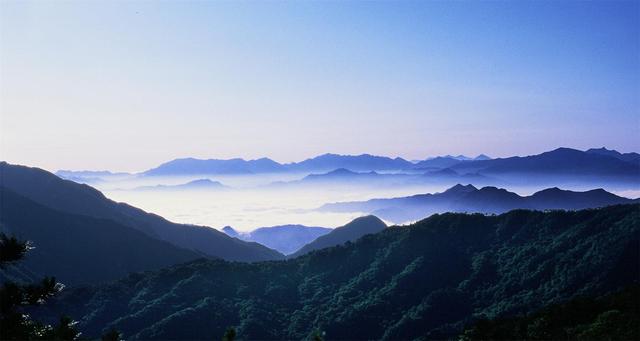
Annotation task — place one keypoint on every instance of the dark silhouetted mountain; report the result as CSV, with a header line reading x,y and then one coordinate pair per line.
x,y
191,166
423,281
482,157
347,233
562,162
67,196
470,199
283,238
628,157
364,162
79,249
200,184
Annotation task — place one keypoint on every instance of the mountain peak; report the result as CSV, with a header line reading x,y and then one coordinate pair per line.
x,y
459,188
230,231
203,182
341,171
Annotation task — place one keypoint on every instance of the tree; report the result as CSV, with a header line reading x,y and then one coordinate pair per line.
x,y
14,297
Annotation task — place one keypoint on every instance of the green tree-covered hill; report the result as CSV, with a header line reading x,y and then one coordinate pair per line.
x,y
426,280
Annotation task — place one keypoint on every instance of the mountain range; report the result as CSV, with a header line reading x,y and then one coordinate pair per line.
x,y
199,184
460,198
284,238
191,166
565,161
561,162
76,199
423,281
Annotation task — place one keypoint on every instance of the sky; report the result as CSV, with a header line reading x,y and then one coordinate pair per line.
x,y
128,85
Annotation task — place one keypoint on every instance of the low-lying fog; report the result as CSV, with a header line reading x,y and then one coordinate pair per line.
x,y
252,201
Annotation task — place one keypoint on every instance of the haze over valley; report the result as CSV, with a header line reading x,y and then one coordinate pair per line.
x,y
248,194
319,170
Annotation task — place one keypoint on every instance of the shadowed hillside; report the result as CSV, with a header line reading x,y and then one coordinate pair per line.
x,y
426,280
67,196
80,249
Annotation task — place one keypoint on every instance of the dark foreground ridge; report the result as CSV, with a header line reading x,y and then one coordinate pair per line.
x,y
427,280
66,196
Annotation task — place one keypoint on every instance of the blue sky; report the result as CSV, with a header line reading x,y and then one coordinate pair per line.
x,y
128,85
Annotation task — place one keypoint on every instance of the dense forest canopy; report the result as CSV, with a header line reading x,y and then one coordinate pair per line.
x,y
429,279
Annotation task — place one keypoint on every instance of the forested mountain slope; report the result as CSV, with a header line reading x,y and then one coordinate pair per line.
x,y
429,280
79,249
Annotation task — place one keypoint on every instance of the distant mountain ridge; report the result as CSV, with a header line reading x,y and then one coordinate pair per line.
x,y
199,184
628,157
284,238
564,162
468,198
192,166
363,162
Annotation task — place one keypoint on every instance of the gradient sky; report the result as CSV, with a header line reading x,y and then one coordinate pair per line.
x,y
128,85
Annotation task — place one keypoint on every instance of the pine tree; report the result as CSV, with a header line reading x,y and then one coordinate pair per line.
x,y
14,323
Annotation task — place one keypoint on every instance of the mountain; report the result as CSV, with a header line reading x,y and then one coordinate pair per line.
x,y
468,198
80,249
90,177
628,157
562,162
347,233
424,281
230,231
615,316
343,177
286,239
191,166
438,162
199,184
459,157
70,197
342,174
364,162
446,161
481,157
449,175
322,163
